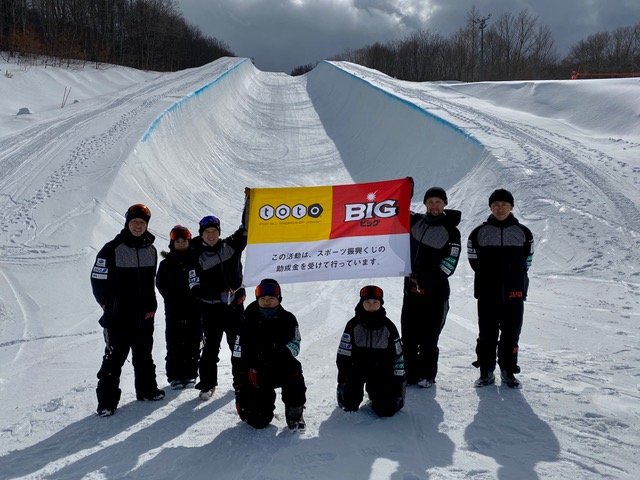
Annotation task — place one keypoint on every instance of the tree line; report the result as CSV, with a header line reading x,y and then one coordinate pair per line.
x,y
153,35
511,47
143,34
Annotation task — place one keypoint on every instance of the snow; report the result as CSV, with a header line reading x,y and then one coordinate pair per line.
x,y
187,143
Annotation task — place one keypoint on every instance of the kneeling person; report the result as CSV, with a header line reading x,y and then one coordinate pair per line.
x,y
264,358
370,353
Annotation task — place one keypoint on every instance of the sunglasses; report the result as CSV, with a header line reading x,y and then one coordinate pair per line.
x,y
267,290
370,291
210,221
180,232
139,207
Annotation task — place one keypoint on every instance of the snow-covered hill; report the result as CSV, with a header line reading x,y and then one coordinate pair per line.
x,y
187,144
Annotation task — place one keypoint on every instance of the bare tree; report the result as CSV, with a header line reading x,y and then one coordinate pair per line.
x,y
592,53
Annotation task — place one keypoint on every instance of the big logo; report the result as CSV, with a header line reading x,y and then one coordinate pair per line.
x,y
358,212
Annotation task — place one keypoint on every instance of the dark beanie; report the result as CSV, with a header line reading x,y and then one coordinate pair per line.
x,y
371,292
501,195
137,211
269,288
436,192
208,222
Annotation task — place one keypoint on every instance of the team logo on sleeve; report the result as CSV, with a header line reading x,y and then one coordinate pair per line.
x,y
99,272
398,347
101,262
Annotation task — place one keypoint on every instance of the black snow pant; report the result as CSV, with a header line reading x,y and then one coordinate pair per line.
x,y
256,405
183,334
422,320
499,326
118,342
385,396
217,319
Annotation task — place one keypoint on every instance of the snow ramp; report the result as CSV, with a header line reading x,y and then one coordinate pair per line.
x,y
262,129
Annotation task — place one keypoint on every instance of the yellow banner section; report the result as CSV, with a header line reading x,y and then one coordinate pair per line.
x,y
299,214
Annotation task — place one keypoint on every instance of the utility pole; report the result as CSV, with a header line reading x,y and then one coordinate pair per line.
x,y
482,24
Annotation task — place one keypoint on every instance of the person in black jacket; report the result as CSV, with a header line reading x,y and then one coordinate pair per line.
x,y
215,279
264,358
123,283
183,330
435,250
500,253
370,353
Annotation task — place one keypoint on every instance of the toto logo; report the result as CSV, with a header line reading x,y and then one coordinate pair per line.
x,y
283,211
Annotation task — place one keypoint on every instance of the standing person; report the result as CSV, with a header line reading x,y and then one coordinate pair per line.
x,y
264,358
435,250
122,280
370,353
216,281
500,253
183,330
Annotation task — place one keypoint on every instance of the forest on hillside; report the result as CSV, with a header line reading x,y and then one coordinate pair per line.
x,y
143,34
509,47
153,35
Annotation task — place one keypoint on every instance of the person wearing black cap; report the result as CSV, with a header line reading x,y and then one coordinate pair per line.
x,y
435,250
264,358
500,253
370,354
215,279
183,331
123,284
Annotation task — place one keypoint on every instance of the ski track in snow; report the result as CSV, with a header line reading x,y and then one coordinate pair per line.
x,y
451,431
29,152
584,173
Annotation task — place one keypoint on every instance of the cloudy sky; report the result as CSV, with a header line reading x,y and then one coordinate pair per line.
x,y
282,34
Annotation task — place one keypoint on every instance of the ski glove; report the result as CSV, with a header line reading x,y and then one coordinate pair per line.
x,y
253,377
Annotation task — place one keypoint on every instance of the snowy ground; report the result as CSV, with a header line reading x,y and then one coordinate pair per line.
x,y
187,144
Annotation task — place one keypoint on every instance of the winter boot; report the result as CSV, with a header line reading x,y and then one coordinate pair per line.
x,y
182,384
295,420
189,383
153,395
105,412
426,383
206,394
509,379
486,378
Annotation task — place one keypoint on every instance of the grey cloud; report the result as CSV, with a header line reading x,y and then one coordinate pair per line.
x,y
282,34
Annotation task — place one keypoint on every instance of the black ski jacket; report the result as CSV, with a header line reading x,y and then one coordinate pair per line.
x,y
217,269
173,284
123,280
500,254
435,250
268,345
371,347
